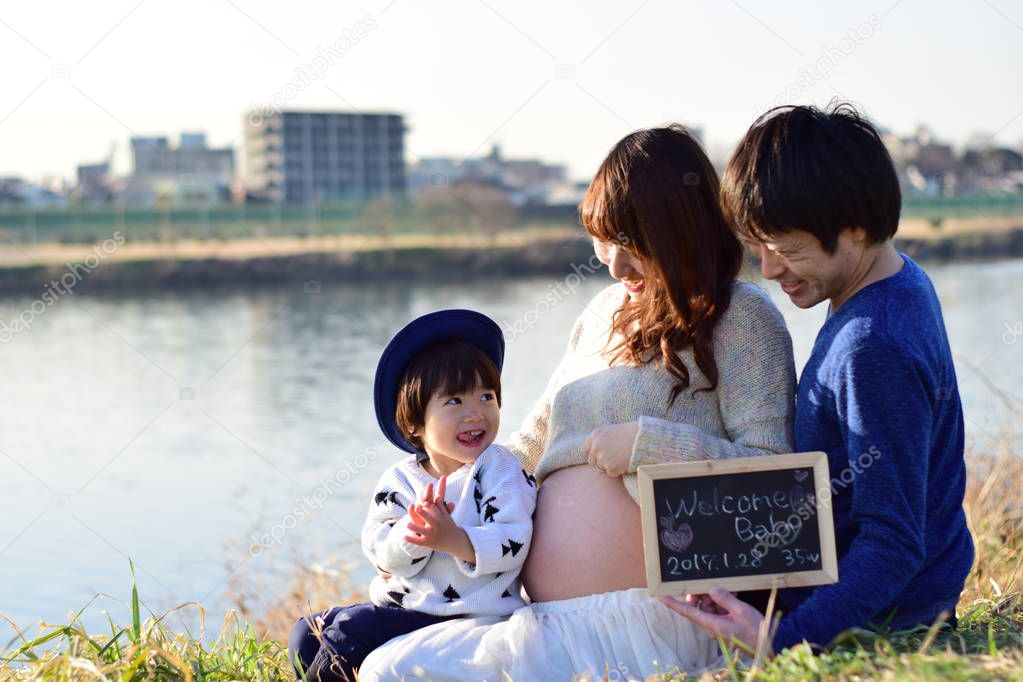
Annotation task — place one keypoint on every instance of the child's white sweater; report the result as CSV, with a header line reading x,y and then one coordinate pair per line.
x,y
494,500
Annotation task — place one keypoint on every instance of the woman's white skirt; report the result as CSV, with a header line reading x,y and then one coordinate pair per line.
x,y
623,635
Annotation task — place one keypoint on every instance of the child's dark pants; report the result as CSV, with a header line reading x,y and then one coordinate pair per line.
x,y
349,634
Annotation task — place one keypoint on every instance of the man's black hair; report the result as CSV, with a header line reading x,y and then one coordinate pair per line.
x,y
821,171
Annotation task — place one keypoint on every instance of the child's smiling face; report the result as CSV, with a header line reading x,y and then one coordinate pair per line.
x,y
459,426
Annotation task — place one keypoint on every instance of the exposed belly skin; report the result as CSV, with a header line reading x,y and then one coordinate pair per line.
x,y
587,537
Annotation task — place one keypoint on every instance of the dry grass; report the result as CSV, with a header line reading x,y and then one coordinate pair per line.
x,y
919,228
275,247
311,587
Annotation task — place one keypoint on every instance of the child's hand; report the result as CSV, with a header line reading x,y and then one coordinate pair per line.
x,y
429,497
434,527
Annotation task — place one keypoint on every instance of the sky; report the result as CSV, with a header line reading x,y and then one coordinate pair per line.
x,y
562,81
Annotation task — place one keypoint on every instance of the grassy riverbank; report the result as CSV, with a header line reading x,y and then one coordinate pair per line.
x,y
122,262
987,646
290,260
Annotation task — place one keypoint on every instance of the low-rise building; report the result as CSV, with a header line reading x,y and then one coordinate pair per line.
x,y
188,173
525,181
317,156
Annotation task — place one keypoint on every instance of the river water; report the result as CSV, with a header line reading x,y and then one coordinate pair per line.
x,y
205,435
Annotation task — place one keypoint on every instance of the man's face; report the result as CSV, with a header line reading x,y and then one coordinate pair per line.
x,y
805,271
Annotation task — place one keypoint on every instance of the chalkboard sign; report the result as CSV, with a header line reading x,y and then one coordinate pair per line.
x,y
740,524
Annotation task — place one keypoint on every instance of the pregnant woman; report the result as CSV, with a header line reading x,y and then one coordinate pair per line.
x,y
678,361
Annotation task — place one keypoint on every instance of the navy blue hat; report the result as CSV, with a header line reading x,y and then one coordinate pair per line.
x,y
442,325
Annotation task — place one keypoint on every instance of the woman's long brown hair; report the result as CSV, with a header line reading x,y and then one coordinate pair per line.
x,y
656,194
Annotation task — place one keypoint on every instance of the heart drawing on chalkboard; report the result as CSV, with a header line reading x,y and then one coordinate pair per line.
x,y
677,539
800,475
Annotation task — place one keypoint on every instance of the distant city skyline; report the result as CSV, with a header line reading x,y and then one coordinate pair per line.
x,y
556,81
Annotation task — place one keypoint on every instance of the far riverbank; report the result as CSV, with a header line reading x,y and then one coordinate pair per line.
x,y
116,264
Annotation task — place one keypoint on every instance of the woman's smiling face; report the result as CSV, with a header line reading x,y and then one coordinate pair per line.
x,y
623,264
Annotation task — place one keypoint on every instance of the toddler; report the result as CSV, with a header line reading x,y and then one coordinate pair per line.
x,y
449,526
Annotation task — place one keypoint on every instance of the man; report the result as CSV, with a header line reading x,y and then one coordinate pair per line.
x,y
815,196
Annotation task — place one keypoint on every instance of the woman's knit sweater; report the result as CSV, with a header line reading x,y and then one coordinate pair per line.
x,y
749,413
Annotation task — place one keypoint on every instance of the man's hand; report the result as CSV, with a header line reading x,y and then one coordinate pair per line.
x,y
609,448
722,614
705,603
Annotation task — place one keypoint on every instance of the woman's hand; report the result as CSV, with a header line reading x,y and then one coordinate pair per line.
x,y
609,448
722,614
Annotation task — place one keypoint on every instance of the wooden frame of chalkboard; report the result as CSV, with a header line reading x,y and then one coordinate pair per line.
x,y
739,548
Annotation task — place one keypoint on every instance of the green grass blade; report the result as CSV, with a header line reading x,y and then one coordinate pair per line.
x,y
136,623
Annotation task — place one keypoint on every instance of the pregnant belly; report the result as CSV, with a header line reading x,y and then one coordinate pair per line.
x,y
586,537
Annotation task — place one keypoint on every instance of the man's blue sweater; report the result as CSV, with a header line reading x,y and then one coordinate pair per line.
x,y
879,395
